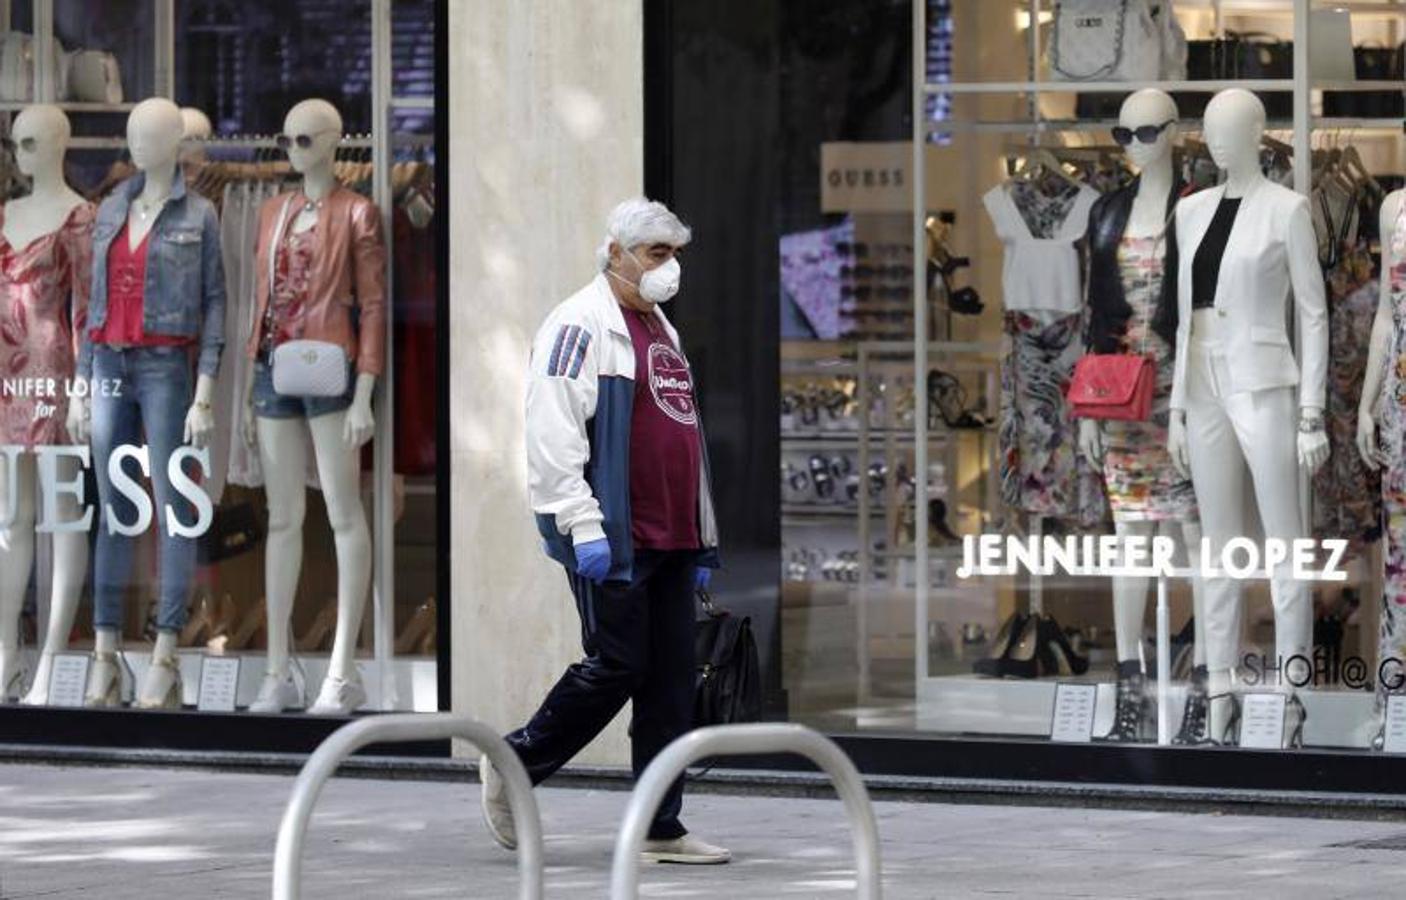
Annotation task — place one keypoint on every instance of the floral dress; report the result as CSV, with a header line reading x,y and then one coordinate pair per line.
x,y
1138,475
1347,494
1392,645
44,290
1042,472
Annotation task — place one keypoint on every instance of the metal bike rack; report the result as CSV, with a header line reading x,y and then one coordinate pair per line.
x,y
399,728
746,740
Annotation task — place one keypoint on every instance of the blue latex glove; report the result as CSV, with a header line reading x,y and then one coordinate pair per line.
x,y
703,576
593,560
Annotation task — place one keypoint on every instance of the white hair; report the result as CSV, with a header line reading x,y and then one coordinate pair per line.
x,y
639,221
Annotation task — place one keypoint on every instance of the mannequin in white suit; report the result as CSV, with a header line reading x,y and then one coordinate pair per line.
x,y
1233,400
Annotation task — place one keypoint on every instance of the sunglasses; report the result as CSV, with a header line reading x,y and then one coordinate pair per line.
x,y
304,141
26,144
1147,134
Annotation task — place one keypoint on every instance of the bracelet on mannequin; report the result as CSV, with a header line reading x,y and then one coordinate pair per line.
x,y
361,423
200,421
1313,439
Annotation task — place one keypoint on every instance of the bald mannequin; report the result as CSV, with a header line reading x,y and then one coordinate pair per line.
x,y
41,134
283,450
197,128
155,131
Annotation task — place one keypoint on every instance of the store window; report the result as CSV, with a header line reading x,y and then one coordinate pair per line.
x,y
1040,247
244,357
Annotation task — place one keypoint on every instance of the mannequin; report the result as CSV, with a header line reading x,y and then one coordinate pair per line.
x,y
1233,397
196,127
305,297
46,260
1131,248
1382,413
158,294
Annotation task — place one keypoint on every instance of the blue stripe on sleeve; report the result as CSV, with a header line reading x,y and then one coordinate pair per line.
x,y
556,350
580,357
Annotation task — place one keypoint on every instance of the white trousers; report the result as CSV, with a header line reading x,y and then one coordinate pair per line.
x,y
1225,434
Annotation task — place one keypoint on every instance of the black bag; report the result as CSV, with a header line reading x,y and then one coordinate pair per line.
x,y
1248,55
729,686
1373,64
235,530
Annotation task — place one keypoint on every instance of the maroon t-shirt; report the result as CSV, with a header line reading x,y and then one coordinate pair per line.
x,y
665,452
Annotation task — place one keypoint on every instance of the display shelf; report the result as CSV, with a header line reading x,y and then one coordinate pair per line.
x,y
1106,87
1384,124
71,106
818,511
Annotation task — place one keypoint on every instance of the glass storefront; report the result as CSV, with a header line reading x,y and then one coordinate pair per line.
x,y
221,391
936,423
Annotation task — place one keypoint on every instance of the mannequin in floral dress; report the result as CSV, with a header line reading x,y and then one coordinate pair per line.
x,y
1381,417
45,261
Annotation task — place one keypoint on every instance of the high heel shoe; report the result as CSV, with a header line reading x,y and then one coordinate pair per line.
x,y
1294,718
1016,657
170,697
1131,707
1230,734
1057,656
1192,732
413,634
104,682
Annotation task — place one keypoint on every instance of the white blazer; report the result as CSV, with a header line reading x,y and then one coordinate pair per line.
x,y
1272,250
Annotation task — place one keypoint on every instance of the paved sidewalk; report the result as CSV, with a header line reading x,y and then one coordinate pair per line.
x,y
113,834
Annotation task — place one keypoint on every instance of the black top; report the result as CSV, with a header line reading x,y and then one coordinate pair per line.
x,y
1205,268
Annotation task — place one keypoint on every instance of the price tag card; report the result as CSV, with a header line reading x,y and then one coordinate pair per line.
x,y
1073,718
1395,724
1262,721
219,682
68,680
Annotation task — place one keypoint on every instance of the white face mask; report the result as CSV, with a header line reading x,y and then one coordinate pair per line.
x,y
661,284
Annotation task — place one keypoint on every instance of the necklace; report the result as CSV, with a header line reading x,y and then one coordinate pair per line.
x,y
144,207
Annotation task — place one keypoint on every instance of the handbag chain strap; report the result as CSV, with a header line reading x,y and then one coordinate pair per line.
x,y
273,263
1157,244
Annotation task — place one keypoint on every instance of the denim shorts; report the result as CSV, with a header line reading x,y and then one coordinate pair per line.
x,y
269,404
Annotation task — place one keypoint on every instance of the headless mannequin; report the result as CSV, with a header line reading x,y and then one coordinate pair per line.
x,y
1148,219
41,135
155,130
1369,418
336,436
1234,128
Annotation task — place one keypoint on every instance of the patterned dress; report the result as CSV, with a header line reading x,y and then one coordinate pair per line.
x,y
1042,472
43,304
1142,483
1392,430
1347,494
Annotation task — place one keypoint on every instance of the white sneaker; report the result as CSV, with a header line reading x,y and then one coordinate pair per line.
x,y
277,693
338,697
687,850
497,813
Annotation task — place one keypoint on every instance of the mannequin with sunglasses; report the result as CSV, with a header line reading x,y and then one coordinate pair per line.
x,y
158,306
45,260
321,261
1246,246
1132,261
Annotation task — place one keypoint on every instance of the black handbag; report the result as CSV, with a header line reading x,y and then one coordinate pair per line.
x,y
1373,64
728,685
1237,56
235,530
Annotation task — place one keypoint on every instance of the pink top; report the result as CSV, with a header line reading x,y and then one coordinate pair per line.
x,y
43,307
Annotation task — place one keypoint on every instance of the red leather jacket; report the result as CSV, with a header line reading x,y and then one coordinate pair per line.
x,y
350,271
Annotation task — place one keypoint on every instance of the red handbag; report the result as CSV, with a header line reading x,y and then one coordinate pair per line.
x,y
1112,386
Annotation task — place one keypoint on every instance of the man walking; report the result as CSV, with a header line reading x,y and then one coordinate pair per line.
x,y
618,479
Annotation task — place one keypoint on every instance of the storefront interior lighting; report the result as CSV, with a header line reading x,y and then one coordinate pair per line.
x,y
1022,18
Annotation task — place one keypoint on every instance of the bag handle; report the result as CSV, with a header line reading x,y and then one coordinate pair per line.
x,y
710,607
1161,238
273,248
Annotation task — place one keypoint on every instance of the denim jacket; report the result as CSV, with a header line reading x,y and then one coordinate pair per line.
x,y
184,291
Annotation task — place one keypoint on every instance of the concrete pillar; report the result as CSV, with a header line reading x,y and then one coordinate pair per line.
x,y
546,135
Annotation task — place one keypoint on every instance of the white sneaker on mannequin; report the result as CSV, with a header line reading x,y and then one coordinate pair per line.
x,y
277,693
338,697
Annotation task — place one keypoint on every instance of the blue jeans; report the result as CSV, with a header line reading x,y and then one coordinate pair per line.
x,y
152,397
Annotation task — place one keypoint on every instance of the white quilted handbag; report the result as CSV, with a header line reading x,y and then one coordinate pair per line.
x,y
309,369
1116,40
304,368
